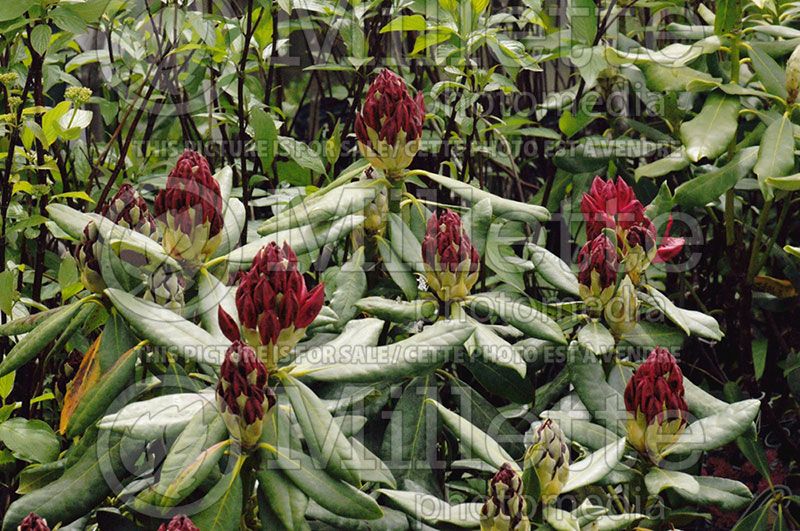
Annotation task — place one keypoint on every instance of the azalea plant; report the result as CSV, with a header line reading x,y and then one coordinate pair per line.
x,y
410,328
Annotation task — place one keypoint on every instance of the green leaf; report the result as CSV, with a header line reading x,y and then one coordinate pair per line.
x,y
13,10
406,23
662,78
407,441
594,467
596,338
162,416
301,154
30,440
398,269
327,443
727,494
357,334
709,133
478,219
603,401
404,243
790,183
397,311
40,337
189,460
690,321
40,38
582,15
769,72
266,136
528,319
434,511
583,432
334,495
675,161
494,349
287,500
84,485
500,205
351,285
8,293
708,187
553,269
225,513
559,519
164,328
474,442
416,355
728,16
658,479
716,430
775,153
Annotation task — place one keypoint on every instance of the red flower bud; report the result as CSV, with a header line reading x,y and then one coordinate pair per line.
x,y
505,508
190,209
654,398
609,205
33,522
242,393
389,125
598,255
128,209
273,303
669,247
451,262
179,523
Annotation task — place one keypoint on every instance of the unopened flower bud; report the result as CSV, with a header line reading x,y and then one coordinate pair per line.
x,y
242,394
166,288
610,205
33,522
9,78
657,410
189,210
598,267
548,456
180,522
505,509
622,310
389,126
451,261
273,304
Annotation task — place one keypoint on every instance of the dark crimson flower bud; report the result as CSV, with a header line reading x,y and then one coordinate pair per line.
x,y
273,304
127,209
180,522
190,210
451,262
657,410
242,393
389,126
33,522
505,509
598,264
609,205
548,456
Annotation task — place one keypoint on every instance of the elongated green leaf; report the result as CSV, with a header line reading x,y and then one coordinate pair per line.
x,y
494,349
603,401
211,294
658,479
674,162
337,203
164,328
500,205
30,440
434,511
582,16
708,187
716,430
769,72
474,441
33,343
596,338
351,285
775,153
559,519
407,442
303,240
225,513
334,495
728,16
528,319
163,416
82,487
287,500
404,243
23,325
400,271
553,269
419,354
327,443
357,334
727,494
595,466
708,134
397,311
